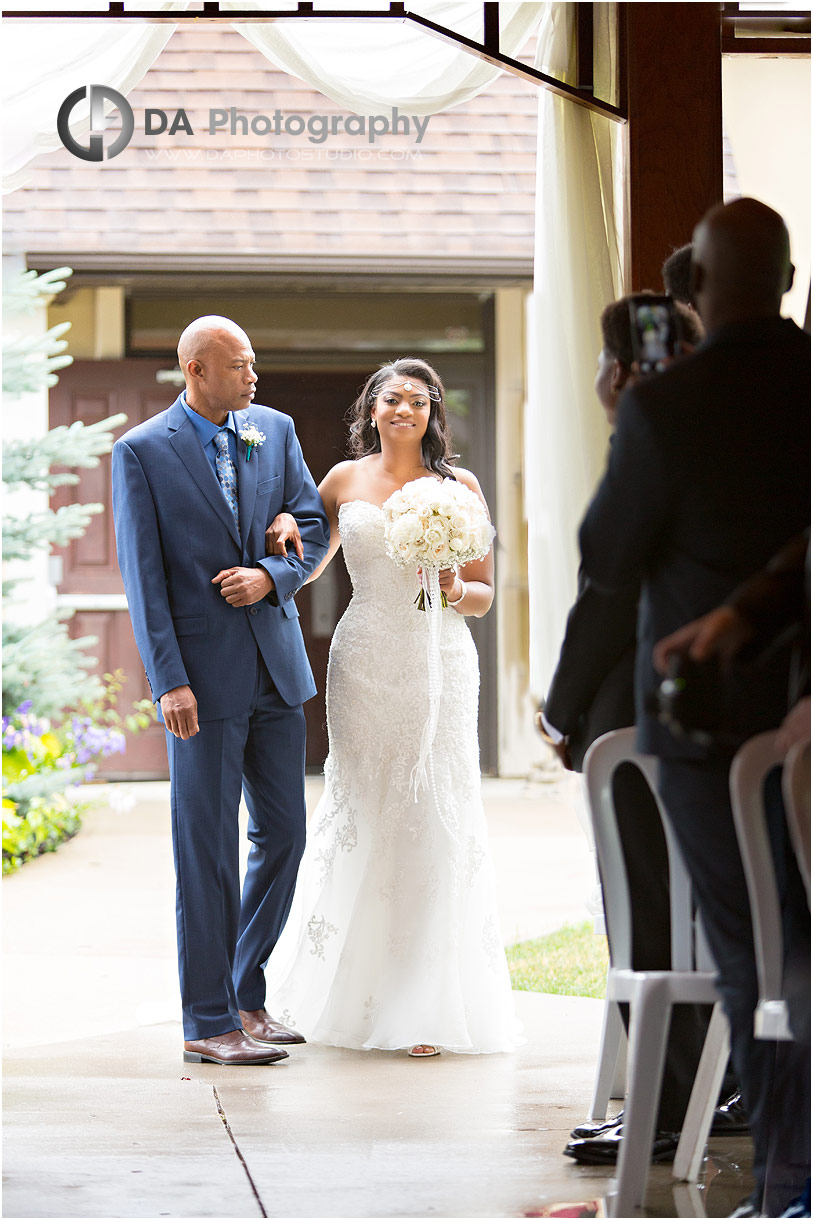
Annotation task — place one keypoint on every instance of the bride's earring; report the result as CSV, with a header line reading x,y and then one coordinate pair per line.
x,y
373,424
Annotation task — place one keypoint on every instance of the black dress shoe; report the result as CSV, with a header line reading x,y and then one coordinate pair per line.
x,y
589,1131
748,1207
730,1118
603,1149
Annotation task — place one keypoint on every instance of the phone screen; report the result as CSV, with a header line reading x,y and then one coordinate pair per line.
x,y
654,333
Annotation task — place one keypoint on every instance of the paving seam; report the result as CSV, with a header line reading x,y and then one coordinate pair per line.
x,y
240,1156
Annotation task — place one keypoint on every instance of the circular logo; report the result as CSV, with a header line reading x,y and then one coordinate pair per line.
x,y
98,94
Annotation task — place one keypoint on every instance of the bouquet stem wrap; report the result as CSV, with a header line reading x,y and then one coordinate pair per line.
x,y
423,773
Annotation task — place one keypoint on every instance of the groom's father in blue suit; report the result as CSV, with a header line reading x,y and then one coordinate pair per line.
x,y
194,490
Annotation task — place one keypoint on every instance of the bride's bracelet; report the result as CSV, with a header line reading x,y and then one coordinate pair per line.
x,y
462,594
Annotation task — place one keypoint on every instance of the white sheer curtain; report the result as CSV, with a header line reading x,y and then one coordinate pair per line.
x,y
365,65
577,271
45,61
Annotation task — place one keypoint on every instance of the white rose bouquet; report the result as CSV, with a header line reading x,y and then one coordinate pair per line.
x,y
434,525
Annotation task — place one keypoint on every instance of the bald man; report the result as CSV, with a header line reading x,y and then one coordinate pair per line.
x,y
708,478
215,621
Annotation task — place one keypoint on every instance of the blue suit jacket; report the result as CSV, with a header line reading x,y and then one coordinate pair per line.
x,y
175,531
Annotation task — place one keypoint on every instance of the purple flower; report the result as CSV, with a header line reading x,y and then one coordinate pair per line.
x,y
25,706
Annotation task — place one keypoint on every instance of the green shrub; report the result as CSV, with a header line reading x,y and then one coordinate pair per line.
x,y
47,822
42,764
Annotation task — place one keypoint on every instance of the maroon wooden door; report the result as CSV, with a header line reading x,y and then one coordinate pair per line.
x,y
317,403
90,580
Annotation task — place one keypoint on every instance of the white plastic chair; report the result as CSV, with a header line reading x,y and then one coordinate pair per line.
x,y
796,793
751,765
611,1070
650,994
749,770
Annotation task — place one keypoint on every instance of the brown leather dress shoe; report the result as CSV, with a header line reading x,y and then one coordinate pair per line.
x,y
231,1048
259,1026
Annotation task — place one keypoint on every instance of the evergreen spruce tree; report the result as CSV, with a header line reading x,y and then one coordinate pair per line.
x,y
41,662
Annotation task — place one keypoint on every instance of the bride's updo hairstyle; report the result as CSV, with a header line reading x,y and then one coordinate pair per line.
x,y
436,445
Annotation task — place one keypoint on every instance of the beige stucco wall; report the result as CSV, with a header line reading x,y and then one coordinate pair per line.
x,y
97,323
766,114
520,750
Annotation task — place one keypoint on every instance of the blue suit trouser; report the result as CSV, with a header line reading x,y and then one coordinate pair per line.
x,y
225,938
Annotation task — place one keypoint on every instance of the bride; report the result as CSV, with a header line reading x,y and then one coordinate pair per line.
x,y
393,940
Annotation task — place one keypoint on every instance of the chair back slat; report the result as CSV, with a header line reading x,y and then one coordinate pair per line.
x,y
796,793
602,760
750,767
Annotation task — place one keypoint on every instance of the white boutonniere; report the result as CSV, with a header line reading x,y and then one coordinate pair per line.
x,y
252,438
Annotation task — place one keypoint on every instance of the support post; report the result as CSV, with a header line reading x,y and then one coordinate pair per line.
x,y
675,129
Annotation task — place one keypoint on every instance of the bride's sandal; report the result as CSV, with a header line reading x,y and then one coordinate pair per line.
x,y
424,1050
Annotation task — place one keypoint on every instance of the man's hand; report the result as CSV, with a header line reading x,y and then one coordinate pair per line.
x,y
560,748
562,751
720,633
283,529
243,586
180,710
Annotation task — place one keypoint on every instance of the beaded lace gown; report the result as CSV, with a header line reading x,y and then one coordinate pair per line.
x,y
393,937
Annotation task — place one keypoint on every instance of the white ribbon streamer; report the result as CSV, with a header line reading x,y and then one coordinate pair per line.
x,y
423,773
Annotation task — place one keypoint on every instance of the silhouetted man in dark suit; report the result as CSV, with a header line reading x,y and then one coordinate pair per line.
x,y
591,693
707,479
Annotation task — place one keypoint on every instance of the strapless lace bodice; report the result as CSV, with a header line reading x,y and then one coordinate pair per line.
x,y
377,580
393,937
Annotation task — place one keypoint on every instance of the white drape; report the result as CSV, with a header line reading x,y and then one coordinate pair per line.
x,y
577,271
45,61
364,66
367,65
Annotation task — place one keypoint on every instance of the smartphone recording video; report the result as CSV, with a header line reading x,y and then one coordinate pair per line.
x,y
654,333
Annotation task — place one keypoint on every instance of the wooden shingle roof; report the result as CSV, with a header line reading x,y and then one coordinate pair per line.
x,y
465,192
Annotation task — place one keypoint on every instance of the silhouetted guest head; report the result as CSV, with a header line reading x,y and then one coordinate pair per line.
x,y
741,264
615,359
676,272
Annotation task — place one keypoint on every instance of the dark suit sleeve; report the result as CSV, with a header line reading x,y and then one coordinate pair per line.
x,y
620,530
600,629
303,502
776,596
141,561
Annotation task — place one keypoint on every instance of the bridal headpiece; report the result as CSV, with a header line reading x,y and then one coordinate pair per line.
x,y
431,390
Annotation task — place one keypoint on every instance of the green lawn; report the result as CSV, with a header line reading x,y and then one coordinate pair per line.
x,y
570,961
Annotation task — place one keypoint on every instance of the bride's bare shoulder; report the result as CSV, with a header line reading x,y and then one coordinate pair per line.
x,y
346,481
337,477
467,479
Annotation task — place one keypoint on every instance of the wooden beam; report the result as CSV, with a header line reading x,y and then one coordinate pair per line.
x,y
584,44
675,129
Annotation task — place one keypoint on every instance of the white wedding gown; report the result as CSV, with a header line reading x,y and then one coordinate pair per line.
x,y
393,937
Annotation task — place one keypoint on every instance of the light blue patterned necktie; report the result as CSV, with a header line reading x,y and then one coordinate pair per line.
x,y
227,473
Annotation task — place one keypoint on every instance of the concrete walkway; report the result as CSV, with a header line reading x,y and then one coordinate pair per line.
x,y
103,1118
